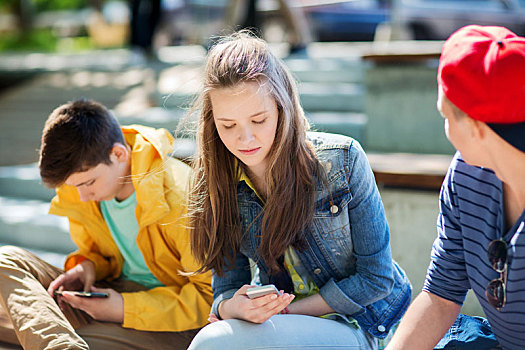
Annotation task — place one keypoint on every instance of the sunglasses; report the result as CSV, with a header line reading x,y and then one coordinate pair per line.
x,y
496,289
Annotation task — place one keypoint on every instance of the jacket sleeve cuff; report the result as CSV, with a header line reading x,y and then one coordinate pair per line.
x,y
130,310
224,296
101,266
339,301
73,260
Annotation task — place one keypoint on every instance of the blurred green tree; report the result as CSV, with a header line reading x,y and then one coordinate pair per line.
x,y
24,13
50,5
25,10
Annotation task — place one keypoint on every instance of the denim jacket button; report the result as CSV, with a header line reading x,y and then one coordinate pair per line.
x,y
317,271
381,328
334,209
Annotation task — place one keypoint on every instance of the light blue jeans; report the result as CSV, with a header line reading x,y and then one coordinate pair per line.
x,y
282,332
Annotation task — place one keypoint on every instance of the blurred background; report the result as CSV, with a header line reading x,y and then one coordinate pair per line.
x,y
365,68
72,25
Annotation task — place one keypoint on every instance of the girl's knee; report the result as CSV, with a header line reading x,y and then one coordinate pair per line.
x,y
205,337
217,335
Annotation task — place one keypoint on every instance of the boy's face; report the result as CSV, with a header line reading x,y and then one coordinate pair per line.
x,y
102,182
458,130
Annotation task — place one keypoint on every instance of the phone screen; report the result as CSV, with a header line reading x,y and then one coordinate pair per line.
x,y
84,294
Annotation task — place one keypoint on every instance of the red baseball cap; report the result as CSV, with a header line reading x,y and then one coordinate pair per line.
x,y
482,72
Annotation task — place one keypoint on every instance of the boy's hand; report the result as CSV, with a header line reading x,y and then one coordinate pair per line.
x,y
80,277
256,310
110,309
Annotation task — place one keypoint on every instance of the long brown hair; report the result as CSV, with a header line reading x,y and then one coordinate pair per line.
x,y
292,165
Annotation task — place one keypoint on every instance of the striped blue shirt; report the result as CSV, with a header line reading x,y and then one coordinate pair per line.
x,y
471,216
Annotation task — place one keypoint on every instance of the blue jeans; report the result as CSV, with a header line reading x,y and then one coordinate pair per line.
x,y
283,332
469,333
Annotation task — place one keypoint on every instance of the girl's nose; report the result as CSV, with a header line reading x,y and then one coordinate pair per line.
x,y
246,135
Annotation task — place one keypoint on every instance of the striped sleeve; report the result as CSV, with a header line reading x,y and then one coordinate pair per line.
x,y
446,274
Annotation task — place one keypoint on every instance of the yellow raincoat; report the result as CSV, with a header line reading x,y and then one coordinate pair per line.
x,y
161,184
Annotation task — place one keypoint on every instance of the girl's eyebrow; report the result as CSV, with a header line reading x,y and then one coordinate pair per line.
x,y
232,120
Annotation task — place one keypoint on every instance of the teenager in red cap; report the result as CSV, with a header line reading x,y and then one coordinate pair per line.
x,y
481,224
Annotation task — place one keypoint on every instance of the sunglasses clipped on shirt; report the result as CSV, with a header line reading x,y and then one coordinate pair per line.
x,y
496,291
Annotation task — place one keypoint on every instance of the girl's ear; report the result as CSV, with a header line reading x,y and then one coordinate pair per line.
x,y
120,151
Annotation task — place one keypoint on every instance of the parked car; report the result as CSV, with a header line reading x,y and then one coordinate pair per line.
x,y
423,19
348,20
437,19
351,20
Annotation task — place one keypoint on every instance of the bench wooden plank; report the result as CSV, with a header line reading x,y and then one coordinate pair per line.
x,y
422,171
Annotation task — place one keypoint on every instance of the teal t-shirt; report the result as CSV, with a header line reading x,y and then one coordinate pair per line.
x,y
122,222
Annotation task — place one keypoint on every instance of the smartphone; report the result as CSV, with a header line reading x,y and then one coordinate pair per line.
x,y
84,294
256,292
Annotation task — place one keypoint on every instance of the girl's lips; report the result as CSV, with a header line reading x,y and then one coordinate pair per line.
x,y
249,151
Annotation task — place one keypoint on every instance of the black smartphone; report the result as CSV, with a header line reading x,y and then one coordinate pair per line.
x,y
84,294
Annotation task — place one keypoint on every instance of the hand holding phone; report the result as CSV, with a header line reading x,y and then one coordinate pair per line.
x,y
260,291
83,294
249,304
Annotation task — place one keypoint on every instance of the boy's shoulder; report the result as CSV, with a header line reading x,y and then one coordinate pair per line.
x,y
465,178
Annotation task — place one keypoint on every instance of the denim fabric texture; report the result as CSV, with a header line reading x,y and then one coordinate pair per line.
x,y
469,333
347,252
282,332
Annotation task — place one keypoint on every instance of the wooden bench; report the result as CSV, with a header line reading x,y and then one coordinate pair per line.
x,y
408,170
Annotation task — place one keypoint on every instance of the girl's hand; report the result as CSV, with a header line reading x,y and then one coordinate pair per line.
x,y
256,310
213,318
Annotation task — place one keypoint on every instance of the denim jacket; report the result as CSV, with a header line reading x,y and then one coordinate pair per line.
x,y
347,251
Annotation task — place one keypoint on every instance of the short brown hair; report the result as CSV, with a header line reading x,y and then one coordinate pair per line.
x,y
77,136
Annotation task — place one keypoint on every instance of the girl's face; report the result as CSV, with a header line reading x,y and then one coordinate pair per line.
x,y
246,120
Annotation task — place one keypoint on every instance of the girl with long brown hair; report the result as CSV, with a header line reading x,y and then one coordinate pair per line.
x,y
274,204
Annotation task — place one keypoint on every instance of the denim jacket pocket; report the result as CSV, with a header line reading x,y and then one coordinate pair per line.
x,y
331,215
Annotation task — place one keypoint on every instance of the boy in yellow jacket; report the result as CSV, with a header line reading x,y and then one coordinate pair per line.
x,y
125,199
